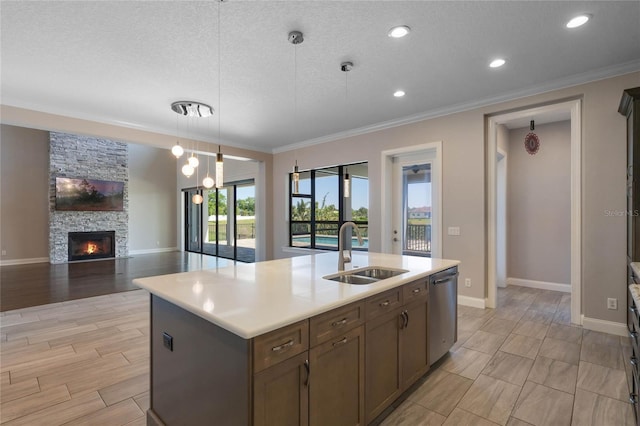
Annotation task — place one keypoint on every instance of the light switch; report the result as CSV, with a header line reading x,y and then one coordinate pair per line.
x,y
453,230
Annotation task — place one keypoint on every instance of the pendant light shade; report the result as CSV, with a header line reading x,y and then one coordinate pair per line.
x,y
219,169
177,150
197,199
208,182
193,161
187,170
296,178
347,184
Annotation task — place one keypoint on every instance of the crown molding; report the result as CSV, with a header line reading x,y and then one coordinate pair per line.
x,y
563,83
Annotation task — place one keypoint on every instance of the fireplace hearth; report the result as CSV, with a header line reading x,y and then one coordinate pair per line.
x,y
92,245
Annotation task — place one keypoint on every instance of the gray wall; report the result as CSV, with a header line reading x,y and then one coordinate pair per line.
x,y
152,199
24,193
464,193
539,205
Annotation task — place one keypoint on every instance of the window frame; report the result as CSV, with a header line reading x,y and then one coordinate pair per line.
x,y
313,222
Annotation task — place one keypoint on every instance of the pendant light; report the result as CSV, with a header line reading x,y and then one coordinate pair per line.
x,y
193,160
219,160
346,67
208,182
177,150
295,38
296,178
347,184
187,170
197,198
219,169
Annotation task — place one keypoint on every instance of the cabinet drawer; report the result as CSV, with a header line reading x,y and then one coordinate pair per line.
x,y
383,303
330,324
271,348
417,290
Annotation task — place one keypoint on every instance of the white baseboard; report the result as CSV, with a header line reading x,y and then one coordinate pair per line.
x,y
617,328
24,261
154,250
542,285
473,302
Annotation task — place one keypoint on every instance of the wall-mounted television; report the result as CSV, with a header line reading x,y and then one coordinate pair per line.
x,y
74,194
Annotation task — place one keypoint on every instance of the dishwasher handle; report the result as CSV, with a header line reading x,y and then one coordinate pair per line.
x,y
444,280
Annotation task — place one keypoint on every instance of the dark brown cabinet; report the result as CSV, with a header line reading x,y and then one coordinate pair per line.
x,y
280,393
340,368
413,344
336,388
396,344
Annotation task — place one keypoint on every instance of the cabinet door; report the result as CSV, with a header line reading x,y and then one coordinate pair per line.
x,y
336,381
382,363
413,343
280,395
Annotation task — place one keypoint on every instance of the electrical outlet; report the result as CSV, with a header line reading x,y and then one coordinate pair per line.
x,y
158,243
453,230
612,304
167,341
4,252
467,282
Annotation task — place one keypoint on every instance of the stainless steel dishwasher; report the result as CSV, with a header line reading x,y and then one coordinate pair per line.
x,y
443,312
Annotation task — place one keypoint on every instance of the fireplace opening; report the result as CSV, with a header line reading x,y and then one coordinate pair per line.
x,y
92,245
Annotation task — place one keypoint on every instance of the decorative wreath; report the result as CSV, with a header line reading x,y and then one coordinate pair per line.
x,y
531,143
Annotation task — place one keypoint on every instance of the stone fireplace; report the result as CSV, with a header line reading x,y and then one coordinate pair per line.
x,y
92,245
76,156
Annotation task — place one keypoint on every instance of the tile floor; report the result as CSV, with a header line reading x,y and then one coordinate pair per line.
x,y
86,362
523,364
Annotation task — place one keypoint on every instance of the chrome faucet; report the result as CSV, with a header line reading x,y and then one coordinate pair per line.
x,y
342,257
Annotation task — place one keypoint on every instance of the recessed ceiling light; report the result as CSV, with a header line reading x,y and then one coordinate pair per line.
x,y
496,63
578,21
399,31
398,93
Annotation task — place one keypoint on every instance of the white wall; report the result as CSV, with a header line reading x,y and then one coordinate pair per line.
x,y
152,200
539,205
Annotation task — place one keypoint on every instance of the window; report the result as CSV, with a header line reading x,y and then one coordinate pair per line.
x,y
319,208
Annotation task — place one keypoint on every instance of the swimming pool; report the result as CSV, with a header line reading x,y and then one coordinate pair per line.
x,y
327,240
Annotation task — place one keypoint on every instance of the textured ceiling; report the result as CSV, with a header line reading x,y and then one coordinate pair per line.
x,y
124,62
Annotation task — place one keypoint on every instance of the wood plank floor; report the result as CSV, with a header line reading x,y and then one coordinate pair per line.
x,y
22,286
86,362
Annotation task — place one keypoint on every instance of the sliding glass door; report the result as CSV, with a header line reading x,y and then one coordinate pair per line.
x,y
226,222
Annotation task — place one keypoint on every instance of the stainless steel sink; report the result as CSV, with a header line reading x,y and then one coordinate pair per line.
x,y
368,275
352,279
379,273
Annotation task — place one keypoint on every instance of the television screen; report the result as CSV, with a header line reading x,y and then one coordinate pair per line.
x,y
89,195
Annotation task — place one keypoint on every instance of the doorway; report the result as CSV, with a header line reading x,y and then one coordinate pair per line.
x,y
494,269
413,206
224,224
411,197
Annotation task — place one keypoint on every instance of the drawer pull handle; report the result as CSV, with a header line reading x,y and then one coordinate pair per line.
x,y
343,321
340,342
385,303
633,361
633,398
416,290
282,346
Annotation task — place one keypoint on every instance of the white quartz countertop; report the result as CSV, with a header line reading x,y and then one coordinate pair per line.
x,y
255,298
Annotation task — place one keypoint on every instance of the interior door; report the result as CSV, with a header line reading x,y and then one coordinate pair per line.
x,y
414,207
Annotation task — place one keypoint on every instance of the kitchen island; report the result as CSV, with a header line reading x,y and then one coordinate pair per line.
x,y
276,343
